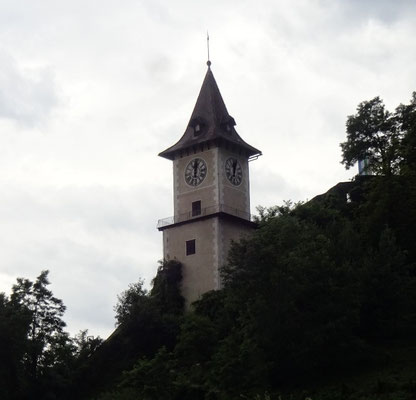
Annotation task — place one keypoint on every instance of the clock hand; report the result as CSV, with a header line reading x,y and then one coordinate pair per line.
x,y
195,167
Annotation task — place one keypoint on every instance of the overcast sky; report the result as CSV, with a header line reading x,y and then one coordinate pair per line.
x,y
91,91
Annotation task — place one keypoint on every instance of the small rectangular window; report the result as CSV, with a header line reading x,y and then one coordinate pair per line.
x,y
190,247
196,208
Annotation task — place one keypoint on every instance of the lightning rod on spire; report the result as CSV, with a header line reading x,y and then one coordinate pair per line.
x,y
209,61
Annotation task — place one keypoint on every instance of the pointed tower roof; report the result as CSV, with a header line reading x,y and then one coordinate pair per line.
x,y
210,122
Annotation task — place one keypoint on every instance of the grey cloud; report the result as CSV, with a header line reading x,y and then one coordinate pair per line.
x,y
269,188
384,10
27,96
159,67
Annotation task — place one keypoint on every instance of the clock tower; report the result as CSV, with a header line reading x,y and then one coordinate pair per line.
x,y
211,193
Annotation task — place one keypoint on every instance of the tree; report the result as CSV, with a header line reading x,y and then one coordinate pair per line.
x,y
150,378
385,140
45,337
165,294
86,344
14,326
129,301
373,135
166,287
406,118
296,295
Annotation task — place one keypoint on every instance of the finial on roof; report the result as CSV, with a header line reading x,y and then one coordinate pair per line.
x,y
208,62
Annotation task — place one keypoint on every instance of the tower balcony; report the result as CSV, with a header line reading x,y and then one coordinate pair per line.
x,y
218,209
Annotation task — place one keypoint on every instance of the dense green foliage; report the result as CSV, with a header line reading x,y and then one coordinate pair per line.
x,y
319,289
37,354
41,361
14,327
146,322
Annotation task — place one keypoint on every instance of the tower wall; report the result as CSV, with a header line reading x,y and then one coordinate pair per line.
x,y
213,237
200,270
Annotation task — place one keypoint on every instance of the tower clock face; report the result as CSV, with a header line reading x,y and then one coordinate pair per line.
x,y
195,172
233,171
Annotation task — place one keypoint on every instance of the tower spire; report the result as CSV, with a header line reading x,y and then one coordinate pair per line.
x,y
215,125
209,61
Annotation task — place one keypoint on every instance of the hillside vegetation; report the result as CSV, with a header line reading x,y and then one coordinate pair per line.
x,y
320,301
